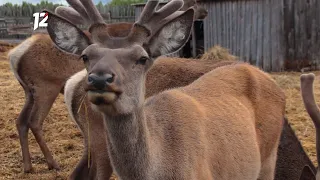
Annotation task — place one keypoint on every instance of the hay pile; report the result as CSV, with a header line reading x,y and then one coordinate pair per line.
x,y
218,53
5,46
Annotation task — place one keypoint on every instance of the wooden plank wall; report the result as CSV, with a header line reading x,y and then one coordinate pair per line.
x,y
302,33
124,13
252,30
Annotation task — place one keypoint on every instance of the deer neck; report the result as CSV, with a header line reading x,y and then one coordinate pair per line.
x,y
128,144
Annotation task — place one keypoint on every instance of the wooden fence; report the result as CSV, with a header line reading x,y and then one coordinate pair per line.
x,y
274,35
22,27
251,30
302,33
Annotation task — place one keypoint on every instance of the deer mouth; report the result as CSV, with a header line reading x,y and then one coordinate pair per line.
x,y
99,97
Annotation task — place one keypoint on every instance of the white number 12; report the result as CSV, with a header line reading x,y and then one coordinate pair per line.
x,y
42,23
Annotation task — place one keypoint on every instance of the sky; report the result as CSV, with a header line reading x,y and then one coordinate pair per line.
x,y
37,1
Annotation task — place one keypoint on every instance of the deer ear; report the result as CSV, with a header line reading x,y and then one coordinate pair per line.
x,y
173,35
307,174
65,35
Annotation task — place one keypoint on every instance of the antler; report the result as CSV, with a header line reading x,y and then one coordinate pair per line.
x,y
70,14
311,107
151,19
148,23
80,11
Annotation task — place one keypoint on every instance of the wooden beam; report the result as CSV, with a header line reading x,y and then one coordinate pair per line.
x,y
194,42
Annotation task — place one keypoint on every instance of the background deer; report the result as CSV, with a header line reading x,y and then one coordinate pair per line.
x,y
190,132
42,71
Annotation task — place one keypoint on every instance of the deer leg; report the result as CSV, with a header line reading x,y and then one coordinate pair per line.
x,y
41,107
23,128
268,166
81,171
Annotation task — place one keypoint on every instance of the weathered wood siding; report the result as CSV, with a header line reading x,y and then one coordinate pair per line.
x,y
302,33
274,35
124,13
252,30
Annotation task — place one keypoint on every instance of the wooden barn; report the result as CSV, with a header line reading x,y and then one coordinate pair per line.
x,y
275,35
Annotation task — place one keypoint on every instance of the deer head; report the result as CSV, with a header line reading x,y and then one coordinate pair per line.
x,y
117,66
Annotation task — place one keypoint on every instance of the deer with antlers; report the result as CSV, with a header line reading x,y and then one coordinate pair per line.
x,y
291,156
215,128
42,74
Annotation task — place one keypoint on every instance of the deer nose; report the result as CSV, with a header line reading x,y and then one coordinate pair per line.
x,y
100,81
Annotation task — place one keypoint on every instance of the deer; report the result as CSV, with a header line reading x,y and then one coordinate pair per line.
x,y
306,83
189,132
42,71
81,113
291,156
288,163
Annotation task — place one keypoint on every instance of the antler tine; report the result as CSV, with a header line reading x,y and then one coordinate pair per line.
x,y
75,4
169,8
70,14
149,16
308,98
312,108
92,11
148,10
150,20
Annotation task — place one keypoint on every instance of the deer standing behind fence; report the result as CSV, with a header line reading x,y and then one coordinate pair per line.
x,y
215,128
42,71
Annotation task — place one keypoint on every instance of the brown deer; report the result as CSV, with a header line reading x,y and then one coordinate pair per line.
x,y
288,163
175,75
314,112
175,72
291,156
42,74
216,127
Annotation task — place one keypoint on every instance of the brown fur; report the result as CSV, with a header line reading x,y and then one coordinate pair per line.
x,y
163,79
180,71
43,85
236,138
42,70
175,72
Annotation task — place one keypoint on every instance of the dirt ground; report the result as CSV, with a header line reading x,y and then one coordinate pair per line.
x,y
65,140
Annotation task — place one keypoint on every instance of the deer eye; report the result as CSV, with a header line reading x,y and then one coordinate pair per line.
x,y
142,60
85,58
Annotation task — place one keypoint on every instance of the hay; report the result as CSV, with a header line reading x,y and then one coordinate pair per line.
x,y
218,53
4,46
66,142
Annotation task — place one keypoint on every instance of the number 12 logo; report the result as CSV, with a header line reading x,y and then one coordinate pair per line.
x,y
42,23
